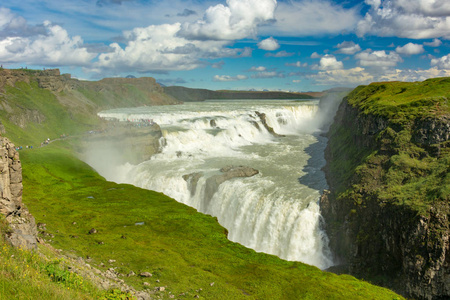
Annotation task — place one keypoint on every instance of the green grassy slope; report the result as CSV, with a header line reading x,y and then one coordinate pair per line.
x,y
26,100
30,114
184,250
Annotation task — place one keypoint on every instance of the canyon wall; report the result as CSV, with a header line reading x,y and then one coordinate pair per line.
x,y
387,211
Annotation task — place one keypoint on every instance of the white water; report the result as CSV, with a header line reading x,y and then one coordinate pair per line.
x,y
276,211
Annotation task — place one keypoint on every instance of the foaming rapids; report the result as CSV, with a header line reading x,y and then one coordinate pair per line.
x,y
275,211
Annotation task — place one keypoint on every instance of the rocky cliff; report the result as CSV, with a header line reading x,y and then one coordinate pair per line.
x,y
387,211
22,230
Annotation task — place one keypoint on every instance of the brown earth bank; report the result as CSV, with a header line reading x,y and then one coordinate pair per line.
x,y
398,245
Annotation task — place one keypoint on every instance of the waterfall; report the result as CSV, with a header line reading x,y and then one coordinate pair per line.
x,y
275,211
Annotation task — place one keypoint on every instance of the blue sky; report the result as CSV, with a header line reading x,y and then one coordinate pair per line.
x,y
289,45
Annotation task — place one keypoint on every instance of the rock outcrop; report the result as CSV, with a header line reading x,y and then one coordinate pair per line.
x,y
212,183
262,117
23,231
402,244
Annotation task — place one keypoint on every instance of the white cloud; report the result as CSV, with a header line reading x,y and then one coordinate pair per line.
x,y
435,8
229,78
238,19
329,62
269,44
374,3
154,48
316,55
257,69
311,17
159,48
410,49
55,48
6,16
297,64
434,43
413,75
379,59
349,48
350,77
442,63
418,19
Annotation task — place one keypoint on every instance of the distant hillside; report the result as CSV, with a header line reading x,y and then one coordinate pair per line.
x,y
187,94
40,104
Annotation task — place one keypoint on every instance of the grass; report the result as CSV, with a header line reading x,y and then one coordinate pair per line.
x,y
391,166
43,275
185,250
403,101
41,113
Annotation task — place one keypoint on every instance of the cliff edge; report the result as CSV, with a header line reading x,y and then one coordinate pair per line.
x,y
387,211
22,227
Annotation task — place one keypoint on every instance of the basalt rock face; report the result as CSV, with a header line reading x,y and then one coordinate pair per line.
x,y
399,244
22,225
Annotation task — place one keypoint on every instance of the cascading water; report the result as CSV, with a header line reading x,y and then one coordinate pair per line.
x,y
275,211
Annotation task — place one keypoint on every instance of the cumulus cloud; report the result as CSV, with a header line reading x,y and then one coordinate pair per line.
x,y
419,19
311,17
413,75
350,77
229,78
379,59
410,49
54,48
238,19
349,48
269,44
434,43
329,62
316,55
442,63
280,54
12,25
159,48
